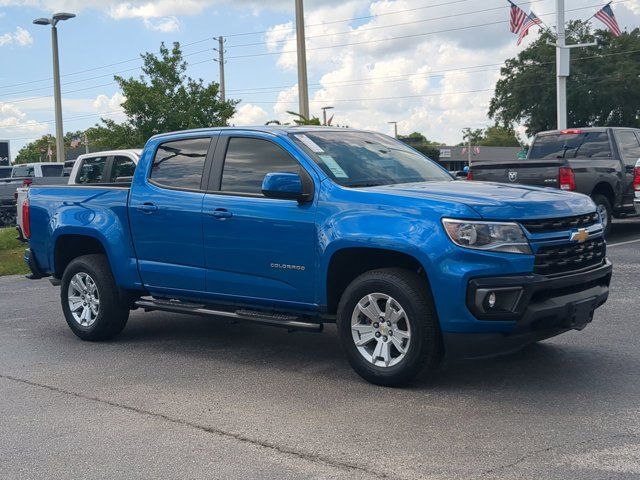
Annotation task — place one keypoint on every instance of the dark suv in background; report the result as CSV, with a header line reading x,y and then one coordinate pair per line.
x,y
598,162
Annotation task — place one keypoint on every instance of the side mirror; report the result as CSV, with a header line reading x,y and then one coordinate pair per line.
x,y
287,186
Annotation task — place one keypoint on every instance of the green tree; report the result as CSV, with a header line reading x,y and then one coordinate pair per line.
x,y
603,89
300,119
36,151
163,99
416,138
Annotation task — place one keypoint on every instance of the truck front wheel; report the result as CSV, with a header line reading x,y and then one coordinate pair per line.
x,y
388,326
604,209
90,299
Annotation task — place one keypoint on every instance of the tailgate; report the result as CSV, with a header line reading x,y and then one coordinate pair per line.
x,y
542,173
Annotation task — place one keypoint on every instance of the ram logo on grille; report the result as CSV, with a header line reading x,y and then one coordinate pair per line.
x,y
580,236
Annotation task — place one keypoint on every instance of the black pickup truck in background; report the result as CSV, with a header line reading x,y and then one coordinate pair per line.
x,y
598,162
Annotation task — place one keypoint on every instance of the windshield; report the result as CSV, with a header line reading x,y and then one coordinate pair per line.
x,y
573,145
359,159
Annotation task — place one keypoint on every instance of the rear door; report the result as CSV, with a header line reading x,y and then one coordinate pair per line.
x,y
165,211
257,249
629,148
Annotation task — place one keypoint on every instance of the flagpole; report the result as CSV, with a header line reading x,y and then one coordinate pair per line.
x,y
592,16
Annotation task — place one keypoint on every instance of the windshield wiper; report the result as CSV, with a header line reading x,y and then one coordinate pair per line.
x,y
365,184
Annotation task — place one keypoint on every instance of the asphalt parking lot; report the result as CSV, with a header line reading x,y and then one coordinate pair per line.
x,y
182,397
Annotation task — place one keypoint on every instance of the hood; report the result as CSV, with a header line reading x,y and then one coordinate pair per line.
x,y
498,201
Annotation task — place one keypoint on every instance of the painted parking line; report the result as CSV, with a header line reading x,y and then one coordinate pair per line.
x,y
623,243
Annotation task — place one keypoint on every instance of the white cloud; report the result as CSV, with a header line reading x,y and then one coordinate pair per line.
x,y
248,114
104,103
20,37
164,24
13,121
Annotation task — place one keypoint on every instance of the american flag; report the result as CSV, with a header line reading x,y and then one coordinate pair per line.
x,y
530,22
606,16
518,17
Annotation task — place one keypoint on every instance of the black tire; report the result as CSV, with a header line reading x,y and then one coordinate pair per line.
x,y
411,293
113,311
603,205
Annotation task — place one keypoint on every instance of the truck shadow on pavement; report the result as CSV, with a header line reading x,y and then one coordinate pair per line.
x,y
565,371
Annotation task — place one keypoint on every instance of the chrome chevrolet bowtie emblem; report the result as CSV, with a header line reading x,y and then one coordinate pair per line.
x,y
513,176
580,236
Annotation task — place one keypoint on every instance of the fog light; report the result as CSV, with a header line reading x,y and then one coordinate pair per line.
x,y
491,300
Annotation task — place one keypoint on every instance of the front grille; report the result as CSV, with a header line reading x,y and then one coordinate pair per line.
x,y
569,258
558,224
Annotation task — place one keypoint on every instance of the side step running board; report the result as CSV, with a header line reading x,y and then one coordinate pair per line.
x,y
290,322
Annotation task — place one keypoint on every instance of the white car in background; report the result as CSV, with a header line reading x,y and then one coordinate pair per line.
x,y
113,166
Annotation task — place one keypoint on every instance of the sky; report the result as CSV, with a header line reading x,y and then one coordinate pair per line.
x,y
430,65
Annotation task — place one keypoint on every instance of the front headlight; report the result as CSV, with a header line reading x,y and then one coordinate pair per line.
x,y
492,236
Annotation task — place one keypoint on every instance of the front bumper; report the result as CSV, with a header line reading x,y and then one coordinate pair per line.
x,y
545,307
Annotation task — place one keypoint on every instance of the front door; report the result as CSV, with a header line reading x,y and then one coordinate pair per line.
x,y
257,249
166,218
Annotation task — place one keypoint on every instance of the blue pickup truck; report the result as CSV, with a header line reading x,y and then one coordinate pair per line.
x,y
299,226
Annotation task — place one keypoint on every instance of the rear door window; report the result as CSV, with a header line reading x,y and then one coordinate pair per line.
x,y
629,147
180,164
122,167
91,170
572,145
52,170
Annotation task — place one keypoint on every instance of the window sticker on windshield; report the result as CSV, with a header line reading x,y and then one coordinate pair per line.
x,y
315,148
333,166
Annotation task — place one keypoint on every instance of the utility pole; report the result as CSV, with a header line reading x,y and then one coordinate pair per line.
x,y
221,62
563,64
303,88
53,21
395,128
468,129
86,143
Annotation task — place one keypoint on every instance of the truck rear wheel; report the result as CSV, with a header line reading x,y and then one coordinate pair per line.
x,y
604,209
90,299
388,327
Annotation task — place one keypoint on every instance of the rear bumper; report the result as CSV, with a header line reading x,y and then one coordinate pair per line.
x,y
545,308
636,203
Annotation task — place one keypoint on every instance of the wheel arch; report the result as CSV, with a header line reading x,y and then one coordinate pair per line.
x,y
69,246
605,189
347,263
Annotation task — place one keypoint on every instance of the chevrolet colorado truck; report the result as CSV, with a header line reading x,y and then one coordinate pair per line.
x,y
300,226
598,162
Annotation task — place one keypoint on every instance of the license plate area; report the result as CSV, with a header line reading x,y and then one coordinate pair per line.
x,y
581,313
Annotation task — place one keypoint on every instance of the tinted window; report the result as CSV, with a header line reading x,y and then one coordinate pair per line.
x,y
180,164
574,145
629,147
122,167
52,170
5,172
247,162
91,170
359,159
23,171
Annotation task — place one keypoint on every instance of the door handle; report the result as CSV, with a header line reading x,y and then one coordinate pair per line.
x,y
220,213
147,208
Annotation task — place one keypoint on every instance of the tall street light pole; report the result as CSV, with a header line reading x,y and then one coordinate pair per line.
x,y
53,21
395,128
303,88
324,115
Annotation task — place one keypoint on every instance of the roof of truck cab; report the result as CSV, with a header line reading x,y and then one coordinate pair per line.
x,y
586,129
127,151
275,129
